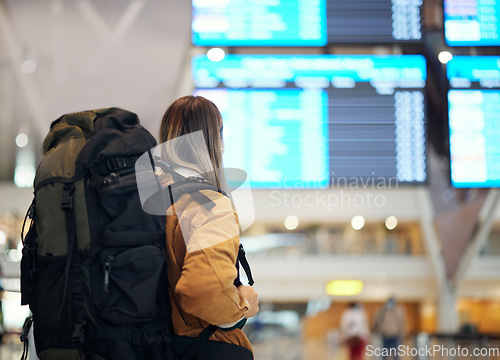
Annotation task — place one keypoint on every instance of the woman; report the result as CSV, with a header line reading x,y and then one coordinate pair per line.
x,y
202,245
354,330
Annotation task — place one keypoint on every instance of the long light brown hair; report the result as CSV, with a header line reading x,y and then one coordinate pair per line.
x,y
187,115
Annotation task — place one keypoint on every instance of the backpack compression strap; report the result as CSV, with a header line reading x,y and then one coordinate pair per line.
x,y
72,268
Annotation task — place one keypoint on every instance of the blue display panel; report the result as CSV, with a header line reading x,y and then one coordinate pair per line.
x,y
279,136
319,71
374,21
259,23
364,117
474,121
472,23
304,22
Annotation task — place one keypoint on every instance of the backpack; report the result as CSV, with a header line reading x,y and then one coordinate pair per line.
x,y
93,269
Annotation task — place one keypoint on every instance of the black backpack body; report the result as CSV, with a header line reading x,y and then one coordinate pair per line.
x,y
94,268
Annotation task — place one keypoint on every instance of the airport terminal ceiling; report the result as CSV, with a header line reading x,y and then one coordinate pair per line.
x,y
128,48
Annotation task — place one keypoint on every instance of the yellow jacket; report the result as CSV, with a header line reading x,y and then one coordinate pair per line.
x,y
202,248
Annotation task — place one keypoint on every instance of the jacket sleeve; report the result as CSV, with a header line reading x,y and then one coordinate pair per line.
x,y
205,288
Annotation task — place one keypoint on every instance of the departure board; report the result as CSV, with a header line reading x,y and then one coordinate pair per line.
x,y
311,121
259,23
268,132
471,22
474,120
374,21
305,22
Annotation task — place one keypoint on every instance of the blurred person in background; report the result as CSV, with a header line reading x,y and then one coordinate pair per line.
x,y
390,324
354,330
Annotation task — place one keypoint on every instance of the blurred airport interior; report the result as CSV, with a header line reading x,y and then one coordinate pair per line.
x,y
368,129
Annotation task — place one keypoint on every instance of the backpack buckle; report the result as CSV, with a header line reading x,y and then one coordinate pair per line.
x,y
26,328
29,247
67,197
116,164
78,336
31,210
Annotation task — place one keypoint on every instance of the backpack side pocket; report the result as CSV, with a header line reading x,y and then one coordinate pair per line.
x,y
28,265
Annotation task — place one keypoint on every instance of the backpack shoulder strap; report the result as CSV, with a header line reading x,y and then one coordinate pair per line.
x,y
186,185
242,259
194,349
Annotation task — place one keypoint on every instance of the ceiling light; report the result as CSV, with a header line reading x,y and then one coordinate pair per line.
x,y
344,287
22,140
445,56
291,222
391,222
28,66
216,54
358,222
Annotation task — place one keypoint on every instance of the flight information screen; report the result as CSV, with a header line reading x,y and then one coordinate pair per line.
x,y
259,23
474,120
304,22
278,136
471,22
374,21
312,121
